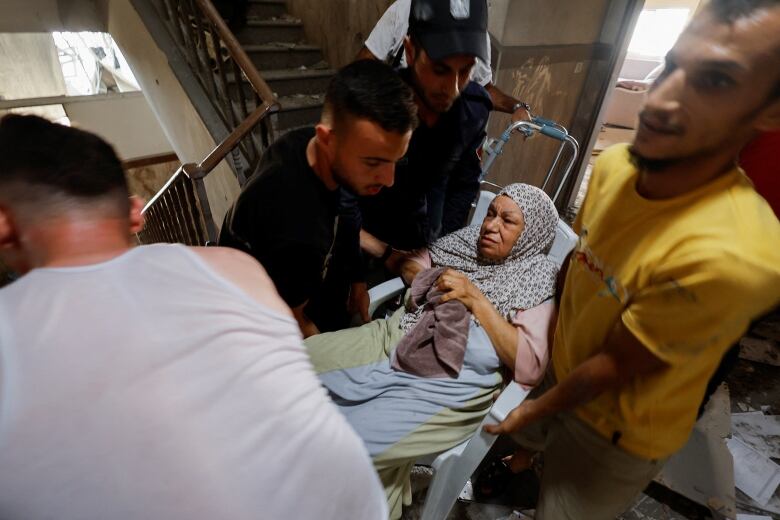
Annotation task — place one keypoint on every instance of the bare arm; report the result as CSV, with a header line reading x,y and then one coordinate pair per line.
x,y
502,334
398,262
409,269
622,359
246,273
308,328
371,244
506,103
358,300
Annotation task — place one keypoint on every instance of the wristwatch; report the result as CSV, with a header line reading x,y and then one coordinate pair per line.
x,y
386,254
520,105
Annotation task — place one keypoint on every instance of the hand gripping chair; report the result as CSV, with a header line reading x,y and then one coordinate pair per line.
x,y
453,467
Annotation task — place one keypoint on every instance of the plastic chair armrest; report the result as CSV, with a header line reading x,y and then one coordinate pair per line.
x,y
383,292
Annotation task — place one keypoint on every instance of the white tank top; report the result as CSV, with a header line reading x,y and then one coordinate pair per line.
x,y
149,387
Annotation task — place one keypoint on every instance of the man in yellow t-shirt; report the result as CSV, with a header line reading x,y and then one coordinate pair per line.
x,y
677,254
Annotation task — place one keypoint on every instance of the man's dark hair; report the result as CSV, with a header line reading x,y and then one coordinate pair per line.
x,y
372,90
730,11
47,160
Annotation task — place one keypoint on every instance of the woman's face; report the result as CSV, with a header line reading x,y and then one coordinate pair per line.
x,y
503,225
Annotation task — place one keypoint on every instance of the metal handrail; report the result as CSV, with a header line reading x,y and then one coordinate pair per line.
x,y
180,211
247,67
231,141
202,34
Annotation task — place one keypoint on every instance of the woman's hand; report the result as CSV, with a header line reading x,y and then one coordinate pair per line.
x,y
502,333
457,286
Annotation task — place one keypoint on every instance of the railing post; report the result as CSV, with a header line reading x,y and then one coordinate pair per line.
x,y
181,210
198,176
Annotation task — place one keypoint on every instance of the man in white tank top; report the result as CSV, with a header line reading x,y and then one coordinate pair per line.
x,y
157,382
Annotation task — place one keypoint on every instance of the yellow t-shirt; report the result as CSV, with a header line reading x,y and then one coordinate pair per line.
x,y
685,275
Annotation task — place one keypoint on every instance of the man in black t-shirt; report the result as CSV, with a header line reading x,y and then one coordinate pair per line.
x,y
287,214
439,178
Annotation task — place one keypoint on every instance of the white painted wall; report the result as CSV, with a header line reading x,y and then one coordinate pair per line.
x,y
29,66
126,121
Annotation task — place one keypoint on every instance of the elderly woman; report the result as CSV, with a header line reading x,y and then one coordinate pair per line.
x,y
421,381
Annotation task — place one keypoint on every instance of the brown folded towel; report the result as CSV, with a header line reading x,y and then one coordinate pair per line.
x,y
436,345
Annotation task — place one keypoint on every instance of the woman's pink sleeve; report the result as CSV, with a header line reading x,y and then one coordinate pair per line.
x,y
535,329
422,257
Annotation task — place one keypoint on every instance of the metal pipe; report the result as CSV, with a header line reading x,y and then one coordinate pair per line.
x,y
237,52
554,164
576,151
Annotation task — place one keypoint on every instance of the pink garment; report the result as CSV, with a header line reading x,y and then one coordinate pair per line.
x,y
535,329
422,257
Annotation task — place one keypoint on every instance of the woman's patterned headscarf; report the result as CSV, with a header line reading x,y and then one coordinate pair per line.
x,y
525,278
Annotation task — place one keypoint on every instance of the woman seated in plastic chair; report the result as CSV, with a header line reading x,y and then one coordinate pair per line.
x,y
420,382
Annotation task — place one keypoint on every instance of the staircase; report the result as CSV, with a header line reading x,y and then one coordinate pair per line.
x,y
294,69
248,88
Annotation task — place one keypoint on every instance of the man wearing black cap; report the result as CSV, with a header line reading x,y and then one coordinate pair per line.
x,y
386,41
439,177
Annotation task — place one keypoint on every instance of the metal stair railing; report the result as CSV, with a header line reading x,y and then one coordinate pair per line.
x,y
180,211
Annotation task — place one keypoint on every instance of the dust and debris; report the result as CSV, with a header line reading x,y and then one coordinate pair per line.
x,y
759,431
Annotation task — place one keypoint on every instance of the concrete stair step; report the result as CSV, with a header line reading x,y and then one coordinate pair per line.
x,y
258,32
295,111
263,9
288,82
280,55
299,110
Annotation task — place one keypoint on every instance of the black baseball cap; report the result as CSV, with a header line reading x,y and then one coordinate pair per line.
x,y
448,27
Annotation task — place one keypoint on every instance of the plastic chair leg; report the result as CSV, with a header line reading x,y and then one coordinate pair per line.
x,y
451,471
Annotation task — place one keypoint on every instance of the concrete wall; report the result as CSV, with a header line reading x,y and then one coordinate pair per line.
x,y
338,26
146,181
178,118
52,15
558,57
552,86
29,66
125,120
554,22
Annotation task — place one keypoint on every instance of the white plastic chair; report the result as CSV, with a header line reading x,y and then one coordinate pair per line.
x,y
453,467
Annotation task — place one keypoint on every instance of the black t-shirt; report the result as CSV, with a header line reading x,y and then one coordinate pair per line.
x,y
438,179
286,218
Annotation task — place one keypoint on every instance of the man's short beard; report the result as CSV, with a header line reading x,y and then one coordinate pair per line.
x,y
414,82
343,181
340,179
643,163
